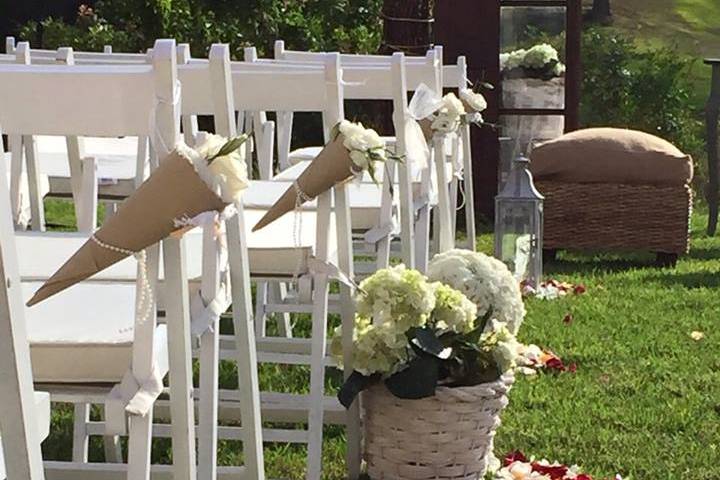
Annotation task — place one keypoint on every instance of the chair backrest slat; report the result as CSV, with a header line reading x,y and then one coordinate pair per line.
x,y
30,103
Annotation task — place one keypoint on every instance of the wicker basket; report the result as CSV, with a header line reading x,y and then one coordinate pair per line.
x,y
447,436
615,217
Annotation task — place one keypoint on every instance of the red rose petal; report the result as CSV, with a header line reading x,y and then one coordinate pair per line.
x,y
572,368
583,476
567,319
556,472
579,289
515,456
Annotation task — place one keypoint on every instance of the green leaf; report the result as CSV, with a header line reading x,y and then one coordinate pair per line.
x,y
229,147
418,380
355,383
426,340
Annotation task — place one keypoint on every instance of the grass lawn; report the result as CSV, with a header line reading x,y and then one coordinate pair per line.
x,y
644,402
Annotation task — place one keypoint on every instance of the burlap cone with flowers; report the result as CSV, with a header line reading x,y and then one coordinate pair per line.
x,y
332,165
180,188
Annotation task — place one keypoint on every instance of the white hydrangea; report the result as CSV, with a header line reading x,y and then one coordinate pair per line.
x,y
396,295
559,69
506,349
540,55
377,348
486,281
473,101
453,311
511,60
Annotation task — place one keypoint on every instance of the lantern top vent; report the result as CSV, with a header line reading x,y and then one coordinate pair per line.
x,y
519,185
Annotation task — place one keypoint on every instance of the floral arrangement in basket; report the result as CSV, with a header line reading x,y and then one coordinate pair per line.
x,y
454,328
540,61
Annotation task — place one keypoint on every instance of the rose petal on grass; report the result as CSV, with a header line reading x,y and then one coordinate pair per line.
x,y
697,335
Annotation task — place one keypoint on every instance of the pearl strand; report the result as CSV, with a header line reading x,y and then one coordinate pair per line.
x,y
143,306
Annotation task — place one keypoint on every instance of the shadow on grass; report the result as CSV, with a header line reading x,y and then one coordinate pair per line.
x,y
584,264
704,253
689,280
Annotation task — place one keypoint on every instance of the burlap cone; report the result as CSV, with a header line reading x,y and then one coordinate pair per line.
x,y
426,127
332,165
173,191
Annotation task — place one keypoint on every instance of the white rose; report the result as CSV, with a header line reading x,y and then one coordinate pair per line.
x,y
474,101
359,158
445,123
231,169
452,105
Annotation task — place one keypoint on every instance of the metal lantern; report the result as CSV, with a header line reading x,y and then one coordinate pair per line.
x,y
519,224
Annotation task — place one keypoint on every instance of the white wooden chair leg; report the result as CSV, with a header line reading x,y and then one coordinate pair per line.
x,y
112,449
347,313
453,202
261,299
180,360
81,417
276,294
36,199
208,410
422,224
468,187
139,447
245,347
18,418
317,377
446,240
16,169
407,217
386,213
87,221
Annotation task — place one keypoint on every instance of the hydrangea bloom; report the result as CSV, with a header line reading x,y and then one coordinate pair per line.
x,y
396,295
540,55
453,310
487,282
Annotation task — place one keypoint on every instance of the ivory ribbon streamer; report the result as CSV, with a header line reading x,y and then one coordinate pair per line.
x,y
132,397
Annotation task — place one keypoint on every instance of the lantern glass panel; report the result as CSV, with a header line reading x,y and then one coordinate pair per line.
x,y
519,237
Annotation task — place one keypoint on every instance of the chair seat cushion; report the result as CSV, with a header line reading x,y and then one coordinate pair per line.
x,y
611,155
365,200
84,334
275,250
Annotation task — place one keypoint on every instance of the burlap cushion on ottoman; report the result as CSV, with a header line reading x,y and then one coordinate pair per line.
x,y
611,189
611,155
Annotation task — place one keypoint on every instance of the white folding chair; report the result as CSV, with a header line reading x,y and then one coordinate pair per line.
x,y
368,80
74,100
273,254
24,413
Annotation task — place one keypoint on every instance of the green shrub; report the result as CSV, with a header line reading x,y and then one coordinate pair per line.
x,y
133,25
643,89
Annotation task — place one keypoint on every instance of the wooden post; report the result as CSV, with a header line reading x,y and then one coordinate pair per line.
x,y
573,60
712,113
472,28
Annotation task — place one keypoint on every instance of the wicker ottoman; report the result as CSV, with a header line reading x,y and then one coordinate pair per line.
x,y
614,190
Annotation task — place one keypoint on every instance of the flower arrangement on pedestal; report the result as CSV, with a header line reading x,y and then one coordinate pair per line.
x,y
533,78
541,61
427,356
